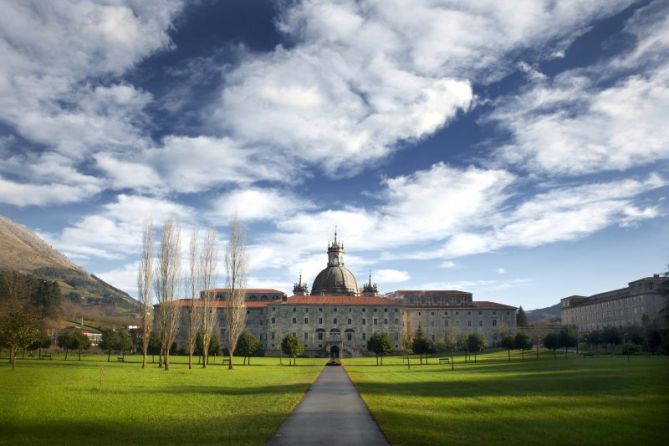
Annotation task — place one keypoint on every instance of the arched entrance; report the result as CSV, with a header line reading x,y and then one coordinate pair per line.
x,y
334,352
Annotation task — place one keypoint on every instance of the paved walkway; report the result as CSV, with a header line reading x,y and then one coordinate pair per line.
x,y
330,414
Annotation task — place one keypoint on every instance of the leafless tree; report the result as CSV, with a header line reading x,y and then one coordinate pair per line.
x,y
194,308
167,277
144,283
208,261
235,276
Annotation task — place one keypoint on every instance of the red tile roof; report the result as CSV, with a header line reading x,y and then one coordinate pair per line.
x,y
252,291
492,305
422,292
337,300
219,303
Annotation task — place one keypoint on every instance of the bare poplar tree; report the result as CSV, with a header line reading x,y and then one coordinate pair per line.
x,y
167,276
235,276
194,309
144,283
208,261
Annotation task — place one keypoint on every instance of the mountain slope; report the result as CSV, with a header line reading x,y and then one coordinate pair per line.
x,y
544,314
23,251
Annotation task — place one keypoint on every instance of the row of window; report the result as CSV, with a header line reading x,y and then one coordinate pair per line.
x,y
469,323
349,321
494,313
335,310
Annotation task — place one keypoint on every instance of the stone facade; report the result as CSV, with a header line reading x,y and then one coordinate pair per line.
x,y
337,316
642,301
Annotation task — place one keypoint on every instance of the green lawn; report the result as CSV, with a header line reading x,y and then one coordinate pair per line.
x,y
58,402
604,400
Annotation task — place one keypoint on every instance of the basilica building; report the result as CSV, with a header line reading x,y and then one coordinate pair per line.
x,y
337,317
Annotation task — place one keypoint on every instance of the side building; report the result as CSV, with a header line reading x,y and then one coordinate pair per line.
x,y
642,301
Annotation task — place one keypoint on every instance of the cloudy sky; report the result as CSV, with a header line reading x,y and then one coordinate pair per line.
x,y
518,150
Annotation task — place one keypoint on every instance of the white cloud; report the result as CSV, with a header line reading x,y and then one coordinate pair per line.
x,y
116,230
257,204
124,277
609,116
366,76
25,194
390,276
447,264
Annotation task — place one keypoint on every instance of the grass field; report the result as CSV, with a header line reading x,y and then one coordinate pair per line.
x,y
604,400
57,402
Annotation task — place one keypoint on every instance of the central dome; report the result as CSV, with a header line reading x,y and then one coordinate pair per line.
x,y
335,280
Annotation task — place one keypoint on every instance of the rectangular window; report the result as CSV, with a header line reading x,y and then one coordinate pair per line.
x,y
320,335
320,320
396,321
349,321
469,323
294,320
349,336
334,321
385,310
272,335
364,336
294,309
480,323
494,322
385,321
446,322
364,321
273,320
306,336
306,320
375,321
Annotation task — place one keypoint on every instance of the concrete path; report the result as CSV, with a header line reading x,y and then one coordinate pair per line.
x,y
330,414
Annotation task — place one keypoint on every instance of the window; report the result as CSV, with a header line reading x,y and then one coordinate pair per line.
x,y
446,323
445,313
294,320
349,321
385,321
457,312
320,335
335,310
507,313
273,320
432,313
480,323
294,309
248,311
469,323
349,309
375,321
306,310
334,321
364,321
364,336
272,335
396,321
480,313
306,320
349,336
419,313
395,310
320,320
385,310
494,322
469,313
320,310
494,313
375,310
364,309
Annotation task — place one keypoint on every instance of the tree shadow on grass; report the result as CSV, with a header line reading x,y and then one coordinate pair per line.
x,y
195,389
225,428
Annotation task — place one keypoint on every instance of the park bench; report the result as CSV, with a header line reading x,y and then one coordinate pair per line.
x,y
120,359
46,356
444,360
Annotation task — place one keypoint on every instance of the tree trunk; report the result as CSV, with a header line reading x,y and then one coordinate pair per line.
x,y
381,359
66,351
474,357
143,359
109,355
190,360
230,365
79,351
205,359
12,357
509,352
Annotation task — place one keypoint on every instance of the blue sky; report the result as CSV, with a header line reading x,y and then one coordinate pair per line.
x,y
517,150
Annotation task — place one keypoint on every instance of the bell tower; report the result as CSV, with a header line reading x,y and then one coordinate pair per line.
x,y
335,252
300,288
